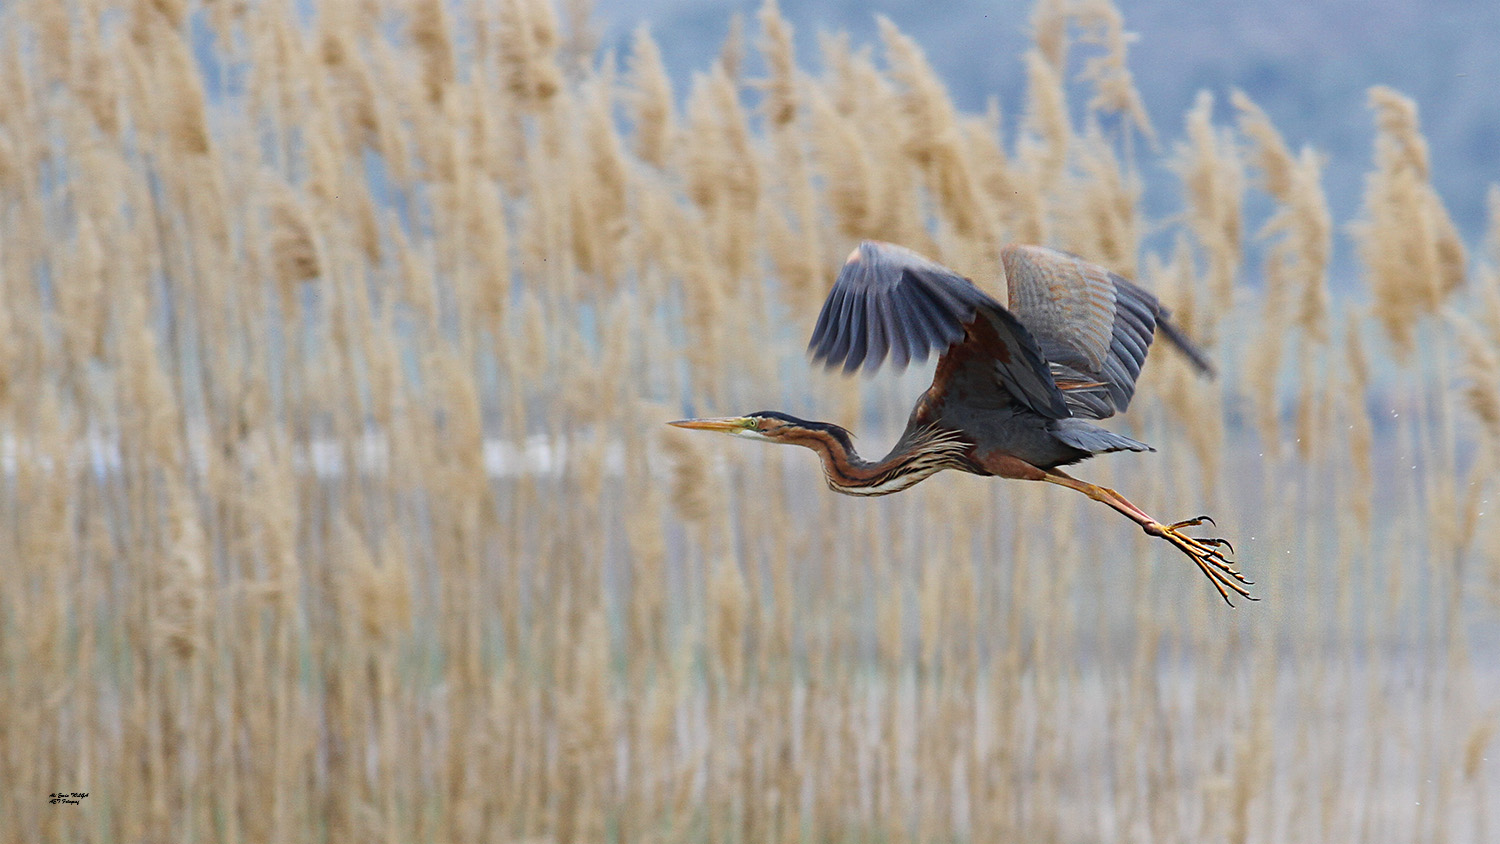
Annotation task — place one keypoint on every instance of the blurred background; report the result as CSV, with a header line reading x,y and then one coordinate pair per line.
x,y
336,503
1307,64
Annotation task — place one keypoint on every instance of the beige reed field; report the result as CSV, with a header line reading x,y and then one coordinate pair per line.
x,y
336,502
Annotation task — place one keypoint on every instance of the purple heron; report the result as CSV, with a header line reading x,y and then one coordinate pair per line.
x,y
1015,387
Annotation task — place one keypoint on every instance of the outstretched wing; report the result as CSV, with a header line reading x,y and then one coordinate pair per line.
x,y
890,300
1093,326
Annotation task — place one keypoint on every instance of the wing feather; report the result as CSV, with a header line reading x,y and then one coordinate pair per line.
x,y
896,333
890,301
935,314
1129,347
837,307
1090,321
858,329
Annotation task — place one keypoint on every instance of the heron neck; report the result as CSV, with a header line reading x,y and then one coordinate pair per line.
x,y
909,462
840,460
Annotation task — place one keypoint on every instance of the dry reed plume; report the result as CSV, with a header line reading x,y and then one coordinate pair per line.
x,y
336,503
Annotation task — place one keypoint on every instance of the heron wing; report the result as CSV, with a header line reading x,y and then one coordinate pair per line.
x,y
1092,325
889,300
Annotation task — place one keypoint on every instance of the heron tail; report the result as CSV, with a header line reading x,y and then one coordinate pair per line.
x,y
1094,439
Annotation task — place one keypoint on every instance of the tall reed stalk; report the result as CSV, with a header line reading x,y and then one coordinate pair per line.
x,y
335,502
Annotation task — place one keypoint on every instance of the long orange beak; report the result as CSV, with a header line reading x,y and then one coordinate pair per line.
x,y
727,424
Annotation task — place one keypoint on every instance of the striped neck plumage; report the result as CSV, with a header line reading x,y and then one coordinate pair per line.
x,y
916,457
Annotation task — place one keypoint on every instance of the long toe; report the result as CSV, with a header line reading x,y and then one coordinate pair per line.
x,y
1203,551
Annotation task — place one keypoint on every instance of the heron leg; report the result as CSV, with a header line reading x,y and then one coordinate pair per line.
x,y
1203,551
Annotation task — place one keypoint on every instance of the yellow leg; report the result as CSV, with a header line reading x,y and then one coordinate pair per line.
x,y
1203,551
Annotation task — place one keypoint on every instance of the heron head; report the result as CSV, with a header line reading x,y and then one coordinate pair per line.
x,y
765,425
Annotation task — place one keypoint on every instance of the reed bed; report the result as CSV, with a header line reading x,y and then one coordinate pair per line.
x,y
337,504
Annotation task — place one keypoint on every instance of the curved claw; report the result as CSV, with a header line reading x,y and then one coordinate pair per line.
x,y
1216,542
1204,553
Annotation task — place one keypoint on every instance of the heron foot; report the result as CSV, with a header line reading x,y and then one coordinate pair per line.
x,y
1204,552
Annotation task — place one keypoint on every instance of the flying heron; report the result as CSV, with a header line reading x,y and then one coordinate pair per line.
x,y
1014,389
